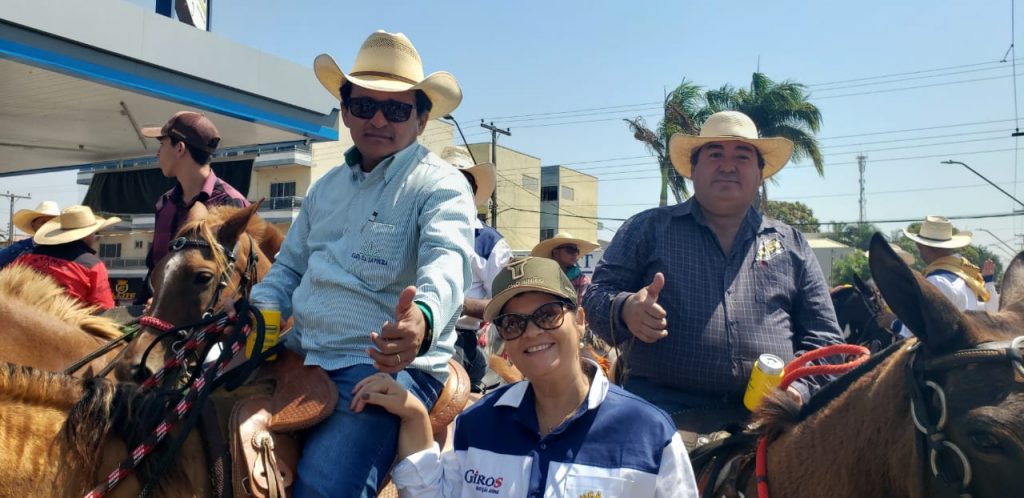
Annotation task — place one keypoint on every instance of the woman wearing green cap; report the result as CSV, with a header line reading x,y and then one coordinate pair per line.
x,y
566,431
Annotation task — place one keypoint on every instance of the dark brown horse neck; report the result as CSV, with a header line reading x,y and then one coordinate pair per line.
x,y
839,449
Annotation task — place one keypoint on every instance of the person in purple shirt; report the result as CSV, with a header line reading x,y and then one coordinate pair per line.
x,y
187,143
696,292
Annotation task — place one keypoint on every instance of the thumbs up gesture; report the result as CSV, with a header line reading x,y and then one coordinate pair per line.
x,y
399,341
643,315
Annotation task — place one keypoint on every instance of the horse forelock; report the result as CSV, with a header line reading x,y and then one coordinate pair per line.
x,y
44,294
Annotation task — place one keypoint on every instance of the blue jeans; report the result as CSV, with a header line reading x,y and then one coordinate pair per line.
x,y
349,454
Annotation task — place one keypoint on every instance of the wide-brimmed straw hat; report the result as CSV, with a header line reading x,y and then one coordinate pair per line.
x,y
24,217
937,231
544,248
730,125
74,223
388,62
528,275
484,174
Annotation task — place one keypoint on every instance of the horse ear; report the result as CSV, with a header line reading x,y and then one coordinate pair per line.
x,y
197,212
1013,285
919,304
236,224
864,289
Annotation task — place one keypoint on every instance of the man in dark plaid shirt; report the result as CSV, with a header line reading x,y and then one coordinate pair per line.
x,y
707,286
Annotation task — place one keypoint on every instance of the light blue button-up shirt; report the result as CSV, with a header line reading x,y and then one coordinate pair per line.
x,y
359,239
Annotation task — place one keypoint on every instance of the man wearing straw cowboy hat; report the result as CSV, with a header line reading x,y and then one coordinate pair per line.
x,y
567,250
28,221
490,254
376,265
707,286
965,285
63,251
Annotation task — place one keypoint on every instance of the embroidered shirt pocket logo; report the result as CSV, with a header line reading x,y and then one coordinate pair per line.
x,y
373,248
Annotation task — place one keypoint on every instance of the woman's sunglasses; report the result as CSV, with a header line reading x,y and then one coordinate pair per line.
x,y
366,107
547,316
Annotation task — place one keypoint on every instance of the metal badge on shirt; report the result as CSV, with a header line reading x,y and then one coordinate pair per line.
x,y
768,249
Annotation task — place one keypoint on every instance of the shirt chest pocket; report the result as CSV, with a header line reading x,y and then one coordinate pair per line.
x,y
584,486
375,255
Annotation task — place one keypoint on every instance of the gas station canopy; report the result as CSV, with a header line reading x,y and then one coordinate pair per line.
x,y
74,92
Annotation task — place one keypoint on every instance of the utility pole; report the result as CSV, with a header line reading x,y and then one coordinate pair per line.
x,y
10,214
862,162
494,160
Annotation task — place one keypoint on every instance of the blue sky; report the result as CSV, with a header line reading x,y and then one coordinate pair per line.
x,y
521,62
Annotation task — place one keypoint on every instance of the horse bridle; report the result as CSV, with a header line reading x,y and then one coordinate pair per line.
x,y
246,280
931,437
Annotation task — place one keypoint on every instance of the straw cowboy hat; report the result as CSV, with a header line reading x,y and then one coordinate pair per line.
x,y
907,258
544,248
388,62
24,217
725,126
937,231
484,174
74,223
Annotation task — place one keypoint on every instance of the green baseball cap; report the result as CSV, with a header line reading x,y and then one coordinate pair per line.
x,y
528,275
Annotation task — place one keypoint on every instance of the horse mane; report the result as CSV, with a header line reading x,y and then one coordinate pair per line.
x,y
45,294
779,412
27,385
123,410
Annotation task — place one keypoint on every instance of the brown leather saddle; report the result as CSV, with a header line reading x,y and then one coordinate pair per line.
x,y
287,397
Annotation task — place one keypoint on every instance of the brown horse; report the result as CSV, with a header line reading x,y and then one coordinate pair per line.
x,y
60,436
44,327
963,374
217,253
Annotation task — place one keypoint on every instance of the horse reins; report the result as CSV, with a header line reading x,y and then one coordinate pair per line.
x,y
796,369
930,436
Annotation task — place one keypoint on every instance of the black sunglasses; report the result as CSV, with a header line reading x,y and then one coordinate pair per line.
x,y
571,249
366,107
547,316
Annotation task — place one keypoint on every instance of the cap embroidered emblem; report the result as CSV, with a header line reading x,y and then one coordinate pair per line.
x,y
516,267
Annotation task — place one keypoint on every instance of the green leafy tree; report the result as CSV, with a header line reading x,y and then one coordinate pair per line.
x,y
796,214
779,109
843,269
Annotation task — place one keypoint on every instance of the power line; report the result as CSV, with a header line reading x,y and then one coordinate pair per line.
x,y
905,73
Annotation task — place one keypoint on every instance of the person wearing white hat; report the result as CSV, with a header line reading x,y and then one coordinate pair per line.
x,y
28,221
567,250
964,284
707,286
490,254
375,267
64,251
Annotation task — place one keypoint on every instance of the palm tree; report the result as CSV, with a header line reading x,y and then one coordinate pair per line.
x,y
685,110
778,110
